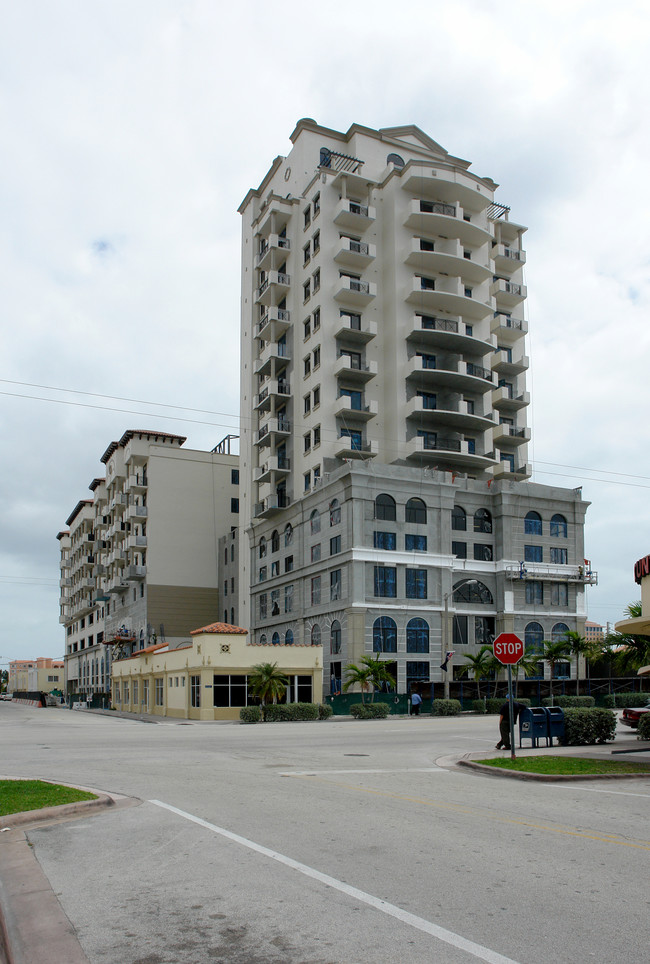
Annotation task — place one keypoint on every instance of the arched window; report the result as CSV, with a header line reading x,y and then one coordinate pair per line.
x,y
473,591
275,541
534,644
395,159
482,521
335,512
315,635
275,639
558,632
384,635
262,547
288,638
225,615
335,638
458,519
263,639
533,524
558,526
314,522
385,508
325,157
417,636
416,511
232,617
288,534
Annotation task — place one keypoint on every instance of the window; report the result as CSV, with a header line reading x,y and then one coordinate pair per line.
x,y
385,581
288,638
316,203
307,366
355,439
263,605
533,524
234,505
459,549
275,639
159,691
458,519
532,553
416,511
315,635
288,564
315,591
416,584
335,638
275,602
482,521
229,690
395,159
429,400
288,534
316,242
316,357
558,526
307,328
316,395
415,543
335,545
335,584
316,319
307,216
234,476
559,594
306,254
482,553
417,636
558,632
288,598
315,553
317,437
385,508
534,592
473,591
335,512
384,635
534,644
262,549
316,278
307,404
385,540
306,291
314,522
275,541
558,556
307,445
263,573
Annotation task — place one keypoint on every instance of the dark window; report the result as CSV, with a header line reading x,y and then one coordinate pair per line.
x,y
473,591
558,632
384,635
482,521
234,476
335,637
385,540
385,508
335,512
533,524
275,541
532,553
417,636
335,584
416,584
459,631
416,511
559,594
315,635
459,549
395,159
335,545
314,521
482,552
458,519
234,505
558,556
385,582
559,526
534,643
484,633
534,592
415,542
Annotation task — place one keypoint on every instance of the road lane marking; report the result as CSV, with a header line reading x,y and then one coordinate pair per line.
x,y
317,773
619,793
419,923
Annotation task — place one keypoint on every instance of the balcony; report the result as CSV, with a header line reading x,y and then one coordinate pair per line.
x,y
508,294
350,408
136,542
274,427
458,377
350,214
459,418
271,249
136,513
271,390
277,318
274,465
449,220
118,586
507,258
446,257
447,451
355,331
508,330
271,353
504,472
66,581
510,436
448,333
137,482
504,364
354,369
355,447
352,291
447,294
505,398
354,254
274,287
135,572
118,531
272,505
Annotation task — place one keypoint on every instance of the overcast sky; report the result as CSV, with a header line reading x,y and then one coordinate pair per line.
x,y
131,133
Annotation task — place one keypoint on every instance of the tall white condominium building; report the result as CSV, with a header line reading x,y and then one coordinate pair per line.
x,y
139,559
385,506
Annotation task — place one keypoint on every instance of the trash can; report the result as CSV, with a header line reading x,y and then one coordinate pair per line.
x,y
555,715
533,725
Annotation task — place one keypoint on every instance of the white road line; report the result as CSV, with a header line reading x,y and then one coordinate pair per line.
x,y
619,793
319,773
440,933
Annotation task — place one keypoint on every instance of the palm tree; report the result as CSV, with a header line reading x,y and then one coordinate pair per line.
x,y
369,675
480,664
553,653
578,646
630,650
268,683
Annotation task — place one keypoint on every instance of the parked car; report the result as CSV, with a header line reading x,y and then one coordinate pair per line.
x,y
631,715
6,696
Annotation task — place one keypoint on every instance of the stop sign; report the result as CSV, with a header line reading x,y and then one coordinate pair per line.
x,y
508,648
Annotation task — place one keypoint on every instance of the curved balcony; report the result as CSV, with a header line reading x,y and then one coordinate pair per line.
x,y
448,257
446,294
451,452
427,181
466,377
458,418
448,333
354,254
350,214
448,220
508,436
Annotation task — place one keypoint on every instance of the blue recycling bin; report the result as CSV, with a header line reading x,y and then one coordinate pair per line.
x,y
555,716
533,725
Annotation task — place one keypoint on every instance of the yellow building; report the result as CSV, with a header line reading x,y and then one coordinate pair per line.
x,y
207,680
40,675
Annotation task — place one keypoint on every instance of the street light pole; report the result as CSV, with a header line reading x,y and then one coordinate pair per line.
x,y
445,643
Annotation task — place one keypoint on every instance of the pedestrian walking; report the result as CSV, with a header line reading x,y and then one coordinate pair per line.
x,y
416,702
504,722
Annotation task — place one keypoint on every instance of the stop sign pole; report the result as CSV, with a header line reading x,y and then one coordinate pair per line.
x,y
509,649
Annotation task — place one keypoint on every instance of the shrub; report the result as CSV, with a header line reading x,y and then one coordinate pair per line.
x,y
494,703
569,701
608,700
445,707
631,699
290,712
644,727
588,725
478,706
250,714
370,711
324,711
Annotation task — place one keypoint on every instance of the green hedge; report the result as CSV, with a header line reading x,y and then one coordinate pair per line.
x,y
569,701
644,727
621,700
445,707
494,703
290,712
370,711
478,706
588,725
250,714
324,711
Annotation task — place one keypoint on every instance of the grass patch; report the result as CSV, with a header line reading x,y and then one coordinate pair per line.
x,y
19,795
567,765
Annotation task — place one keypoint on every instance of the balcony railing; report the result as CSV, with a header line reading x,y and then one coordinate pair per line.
x,y
438,324
446,444
479,372
437,207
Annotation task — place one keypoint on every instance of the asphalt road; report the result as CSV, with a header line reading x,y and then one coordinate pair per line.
x,y
338,842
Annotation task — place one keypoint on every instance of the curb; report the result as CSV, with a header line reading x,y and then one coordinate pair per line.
x,y
12,820
550,777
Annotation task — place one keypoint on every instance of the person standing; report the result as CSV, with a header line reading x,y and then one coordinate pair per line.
x,y
504,722
416,702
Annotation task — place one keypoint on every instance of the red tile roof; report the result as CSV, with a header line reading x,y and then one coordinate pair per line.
x,y
219,628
